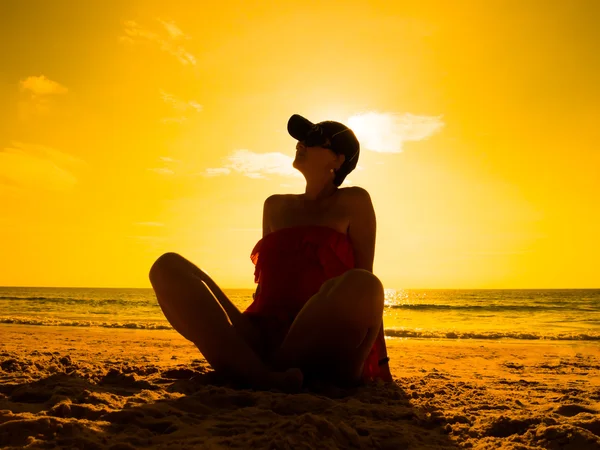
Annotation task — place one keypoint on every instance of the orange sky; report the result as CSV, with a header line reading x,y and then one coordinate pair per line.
x,y
132,128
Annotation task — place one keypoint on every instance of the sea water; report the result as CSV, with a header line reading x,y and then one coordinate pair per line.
x,y
524,314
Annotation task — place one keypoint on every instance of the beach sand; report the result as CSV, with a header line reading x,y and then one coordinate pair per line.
x,y
95,388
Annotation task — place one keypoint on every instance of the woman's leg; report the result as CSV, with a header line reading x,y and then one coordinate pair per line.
x,y
220,331
334,332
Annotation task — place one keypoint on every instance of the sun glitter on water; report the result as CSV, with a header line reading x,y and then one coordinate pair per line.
x,y
393,297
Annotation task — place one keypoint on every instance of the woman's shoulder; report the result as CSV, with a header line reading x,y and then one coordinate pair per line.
x,y
275,199
354,191
351,198
354,198
348,191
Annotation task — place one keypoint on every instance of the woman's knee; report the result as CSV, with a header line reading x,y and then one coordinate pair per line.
x,y
364,281
362,289
163,265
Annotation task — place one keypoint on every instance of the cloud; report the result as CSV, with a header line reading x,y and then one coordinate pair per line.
x,y
180,105
38,167
126,40
387,132
258,165
173,30
195,105
165,171
213,172
255,165
40,85
184,107
134,33
38,92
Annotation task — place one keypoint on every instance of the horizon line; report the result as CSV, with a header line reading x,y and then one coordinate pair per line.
x,y
397,289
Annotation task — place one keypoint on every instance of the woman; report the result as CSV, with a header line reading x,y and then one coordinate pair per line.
x,y
317,311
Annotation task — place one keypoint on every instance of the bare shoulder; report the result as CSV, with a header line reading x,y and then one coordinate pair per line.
x,y
276,203
355,191
356,196
275,200
271,199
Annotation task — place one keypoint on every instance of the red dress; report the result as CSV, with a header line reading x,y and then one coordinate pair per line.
x,y
291,265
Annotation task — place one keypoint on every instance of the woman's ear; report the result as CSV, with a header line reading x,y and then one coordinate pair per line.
x,y
341,158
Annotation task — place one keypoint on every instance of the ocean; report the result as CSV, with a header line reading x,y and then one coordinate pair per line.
x,y
519,314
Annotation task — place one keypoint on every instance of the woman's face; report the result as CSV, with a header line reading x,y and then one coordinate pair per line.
x,y
314,159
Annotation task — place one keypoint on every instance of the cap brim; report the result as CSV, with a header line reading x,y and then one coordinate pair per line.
x,y
298,127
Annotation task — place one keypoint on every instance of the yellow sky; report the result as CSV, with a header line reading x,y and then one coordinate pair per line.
x,y
128,129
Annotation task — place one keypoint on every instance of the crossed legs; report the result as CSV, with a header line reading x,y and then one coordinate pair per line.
x,y
331,336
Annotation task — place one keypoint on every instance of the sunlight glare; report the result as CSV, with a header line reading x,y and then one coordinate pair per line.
x,y
375,131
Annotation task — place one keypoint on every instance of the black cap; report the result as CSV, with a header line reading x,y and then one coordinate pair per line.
x,y
342,139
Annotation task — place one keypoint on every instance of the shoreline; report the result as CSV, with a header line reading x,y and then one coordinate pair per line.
x,y
391,332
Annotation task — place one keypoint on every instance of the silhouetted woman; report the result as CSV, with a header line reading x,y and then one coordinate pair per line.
x,y
318,308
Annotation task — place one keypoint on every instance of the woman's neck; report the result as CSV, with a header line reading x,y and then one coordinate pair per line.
x,y
316,193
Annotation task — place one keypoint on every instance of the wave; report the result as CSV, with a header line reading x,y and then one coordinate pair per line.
x,y
496,308
491,335
82,301
84,323
391,332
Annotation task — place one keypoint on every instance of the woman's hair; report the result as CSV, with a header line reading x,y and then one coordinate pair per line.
x,y
343,142
340,175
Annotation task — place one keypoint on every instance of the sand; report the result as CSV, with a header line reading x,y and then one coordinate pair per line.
x,y
90,388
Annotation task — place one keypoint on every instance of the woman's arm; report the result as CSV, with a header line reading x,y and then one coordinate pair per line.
x,y
362,233
268,208
363,228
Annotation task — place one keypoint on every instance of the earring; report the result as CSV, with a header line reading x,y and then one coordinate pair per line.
x,y
331,170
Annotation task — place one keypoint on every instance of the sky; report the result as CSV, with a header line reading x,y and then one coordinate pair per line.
x,y
133,128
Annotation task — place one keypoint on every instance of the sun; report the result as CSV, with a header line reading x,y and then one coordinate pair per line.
x,y
387,132
375,131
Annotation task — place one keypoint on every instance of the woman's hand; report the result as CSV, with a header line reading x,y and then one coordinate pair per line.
x,y
385,373
384,366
